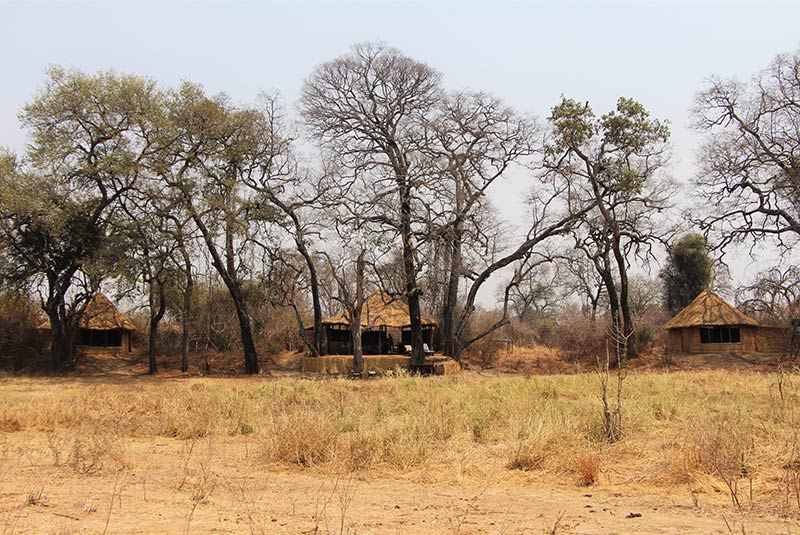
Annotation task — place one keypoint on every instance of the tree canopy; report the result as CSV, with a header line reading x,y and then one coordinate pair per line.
x,y
687,273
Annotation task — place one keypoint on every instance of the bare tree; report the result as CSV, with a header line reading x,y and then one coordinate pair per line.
x,y
477,139
349,293
536,295
774,295
369,107
582,277
555,211
297,195
749,168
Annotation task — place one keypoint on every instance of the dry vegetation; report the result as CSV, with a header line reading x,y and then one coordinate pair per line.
x,y
709,439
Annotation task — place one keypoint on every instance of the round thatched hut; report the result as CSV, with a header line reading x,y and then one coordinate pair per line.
x,y
102,328
709,324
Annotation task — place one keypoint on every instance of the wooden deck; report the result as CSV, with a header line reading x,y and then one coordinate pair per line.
x,y
343,364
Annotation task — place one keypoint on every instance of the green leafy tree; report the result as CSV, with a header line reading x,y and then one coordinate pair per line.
x,y
217,159
615,161
687,273
89,135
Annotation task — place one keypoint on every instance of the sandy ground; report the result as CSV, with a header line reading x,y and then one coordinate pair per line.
x,y
218,485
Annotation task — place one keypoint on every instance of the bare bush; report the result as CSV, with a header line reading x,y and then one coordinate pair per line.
x,y
21,343
579,338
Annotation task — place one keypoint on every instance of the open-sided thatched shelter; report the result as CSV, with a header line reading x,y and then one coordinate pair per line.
x,y
102,328
709,324
386,328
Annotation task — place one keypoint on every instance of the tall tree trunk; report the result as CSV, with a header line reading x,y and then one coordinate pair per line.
x,y
410,270
627,317
355,326
456,236
248,345
188,289
299,240
227,272
246,334
604,269
595,302
451,297
626,328
62,353
186,311
316,336
157,309
317,306
61,328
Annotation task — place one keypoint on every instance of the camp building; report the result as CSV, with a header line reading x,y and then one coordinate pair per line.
x,y
709,324
102,328
385,324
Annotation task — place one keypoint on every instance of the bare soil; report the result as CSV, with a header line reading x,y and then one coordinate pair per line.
x,y
218,484
210,486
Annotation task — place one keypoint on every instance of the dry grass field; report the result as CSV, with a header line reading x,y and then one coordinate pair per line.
x,y
703,452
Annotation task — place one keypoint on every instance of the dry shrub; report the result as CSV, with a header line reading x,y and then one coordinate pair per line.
x,y
10,423
537,440
719,446
715,447
552,436
529,334
587,469
196,412
580,339
304,437
788,488
21,343
99,453
214,328
363,451
527,456
536,359
398,443
406,444
484,351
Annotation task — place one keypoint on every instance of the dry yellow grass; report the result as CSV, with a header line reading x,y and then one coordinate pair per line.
x,y
726,434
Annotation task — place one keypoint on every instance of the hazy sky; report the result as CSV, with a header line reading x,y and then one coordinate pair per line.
x,y
528,53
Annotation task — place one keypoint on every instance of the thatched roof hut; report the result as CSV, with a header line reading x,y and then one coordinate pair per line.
x,y
102,328
380,310
385,323
709,309
709,324
100,314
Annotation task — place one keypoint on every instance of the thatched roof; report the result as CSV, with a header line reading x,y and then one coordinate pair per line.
x,y
709,309
380,310
100,314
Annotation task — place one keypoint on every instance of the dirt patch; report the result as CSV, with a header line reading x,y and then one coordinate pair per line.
x,y
218,485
